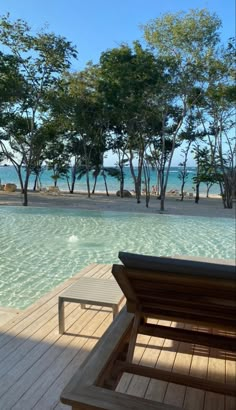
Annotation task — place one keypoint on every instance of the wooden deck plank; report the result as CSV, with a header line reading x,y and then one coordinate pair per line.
x,y
149,358
194,398
34,346
37,353
53,351
37,362
216,371
64,349
36,311
156,389
125,384
175,394
230,367
51,397
27,328
77,345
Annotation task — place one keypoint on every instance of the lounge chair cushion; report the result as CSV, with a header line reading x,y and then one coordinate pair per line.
x,y
175,265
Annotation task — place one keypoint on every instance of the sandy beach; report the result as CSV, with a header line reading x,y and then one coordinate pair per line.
x,y
207,207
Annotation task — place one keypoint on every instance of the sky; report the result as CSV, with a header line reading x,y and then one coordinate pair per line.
x,y
95,26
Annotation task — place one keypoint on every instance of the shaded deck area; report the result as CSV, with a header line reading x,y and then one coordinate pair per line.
x,y
37,362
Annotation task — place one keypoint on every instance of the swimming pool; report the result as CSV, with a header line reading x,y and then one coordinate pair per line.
x,y
41,247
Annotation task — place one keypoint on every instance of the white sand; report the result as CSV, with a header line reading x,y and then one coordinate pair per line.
x,y
209,207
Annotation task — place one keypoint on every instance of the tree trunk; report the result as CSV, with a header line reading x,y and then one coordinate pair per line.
x,y
182,190
35,183
122,180
139,183
137,179
137,189
158,183
18,170
88,183
95,183
73,177
162,203
228,193
208,189
197,193
68,184
25,193
105,182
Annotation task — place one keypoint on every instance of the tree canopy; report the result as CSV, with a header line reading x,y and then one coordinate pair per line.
x,y
138,101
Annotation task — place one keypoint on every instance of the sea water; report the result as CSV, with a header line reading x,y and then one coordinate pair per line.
x,y
40,247
8,175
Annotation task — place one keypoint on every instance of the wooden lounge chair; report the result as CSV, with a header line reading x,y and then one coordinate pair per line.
x,y
193,292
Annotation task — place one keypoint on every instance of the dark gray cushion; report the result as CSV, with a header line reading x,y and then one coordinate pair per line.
x,y
174,265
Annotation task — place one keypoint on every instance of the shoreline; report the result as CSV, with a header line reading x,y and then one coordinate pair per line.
x,y
207,207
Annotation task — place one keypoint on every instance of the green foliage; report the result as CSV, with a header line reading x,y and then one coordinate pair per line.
x,y
140,102
207,171
184,34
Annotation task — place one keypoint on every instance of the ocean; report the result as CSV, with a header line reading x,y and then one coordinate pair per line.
x,y
9,175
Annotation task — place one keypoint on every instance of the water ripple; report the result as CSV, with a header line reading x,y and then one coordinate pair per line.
x,y
39,248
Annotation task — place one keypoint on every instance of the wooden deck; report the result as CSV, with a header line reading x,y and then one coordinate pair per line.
x,y
37,362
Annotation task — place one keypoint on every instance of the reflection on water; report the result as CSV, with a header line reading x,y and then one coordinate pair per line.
x,y
39,247
73,238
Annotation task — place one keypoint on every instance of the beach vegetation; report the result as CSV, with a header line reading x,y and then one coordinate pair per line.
x,y
79,108
140,101
129,78
185,41
217,114
206,171
189,134
40,59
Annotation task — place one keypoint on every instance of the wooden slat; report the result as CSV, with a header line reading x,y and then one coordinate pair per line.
x,y
178,378
175,393
187,317
181,279
133,337
139,386
184,335
192,289
95,398
194,398
141,350
230,377
124,283
165,359
101,354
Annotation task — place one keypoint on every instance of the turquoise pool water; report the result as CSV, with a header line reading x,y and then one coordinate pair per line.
x,y
39,247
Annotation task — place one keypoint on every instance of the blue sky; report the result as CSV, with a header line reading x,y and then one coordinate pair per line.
x,y
97,25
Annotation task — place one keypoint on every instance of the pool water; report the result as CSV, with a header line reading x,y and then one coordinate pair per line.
x,y
40,248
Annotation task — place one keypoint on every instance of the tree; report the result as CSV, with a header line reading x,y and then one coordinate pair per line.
x,y
80,108
184,41
41,59
119,146
17,147
189,134
217,112
129,78
206,171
